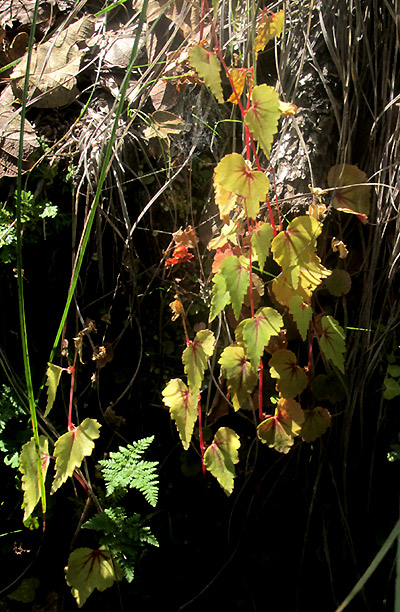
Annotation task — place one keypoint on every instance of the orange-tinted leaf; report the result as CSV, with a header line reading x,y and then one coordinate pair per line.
x,y
287,108
180,254
354,200
177,309
316,423
182,407
238,77
262,116
186,236
292,379
339,247
208,68
270,27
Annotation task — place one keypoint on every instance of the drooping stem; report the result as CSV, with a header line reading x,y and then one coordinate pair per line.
x,y
203,467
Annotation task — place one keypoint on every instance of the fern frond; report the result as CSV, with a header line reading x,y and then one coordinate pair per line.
x,y
126,468
123,535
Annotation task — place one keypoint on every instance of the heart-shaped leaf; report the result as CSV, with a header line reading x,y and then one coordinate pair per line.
x,y
263,115
278,431
240,376
28,466
355,199
316,423
208,68
292,379
195,358
237,281
257,331
332,341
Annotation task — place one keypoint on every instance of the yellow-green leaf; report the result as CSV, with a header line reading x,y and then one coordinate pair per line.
x,y
292,379
53,374
278,431
221,456
237,281
208,68
263,115
356,199
257,332
316,423
28,466
195,358
332,341
241,377
89,569
71,448
261,239
301,312
220,296
183,408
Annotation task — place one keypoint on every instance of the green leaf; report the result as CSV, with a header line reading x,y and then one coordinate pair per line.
x,y
234,174
338,283
278,431
292,380
88,570
71,448
332,341
393,370
257,332
53,374
220,296
316,423
28,466
220,458
240,376
195,358
301,313
261,239
392,388
183,408
263,115
237,281
294,250
208,68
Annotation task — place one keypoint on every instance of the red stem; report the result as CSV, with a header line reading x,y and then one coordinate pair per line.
x,y
260,393
203,467
71,396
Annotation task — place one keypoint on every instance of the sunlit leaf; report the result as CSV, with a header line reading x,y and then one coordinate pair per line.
x,y
261,239
316,423
354,200
271,26
221,456
28,466
278,431
332,341
187,237
195,358
240,376
292,379
338,283
208,68
220,296
235,176
238,78
237,281
183,408
89,569
284,291
225,200
301,312
163,124
53,374
339,247
54,66
71,448
263,115
228,234
287,108
257,331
